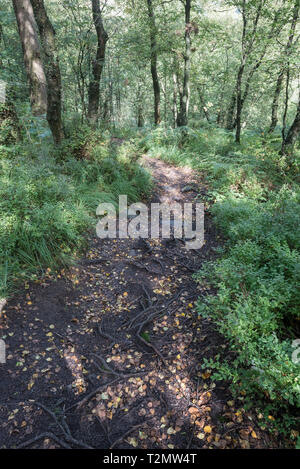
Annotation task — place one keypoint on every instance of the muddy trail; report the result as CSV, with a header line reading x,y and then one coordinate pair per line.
x,y
108,354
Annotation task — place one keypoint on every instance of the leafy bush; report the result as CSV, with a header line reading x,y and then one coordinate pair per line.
x,y
255,201
48,199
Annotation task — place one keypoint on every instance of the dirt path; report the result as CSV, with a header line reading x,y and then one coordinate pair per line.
x,y
108,355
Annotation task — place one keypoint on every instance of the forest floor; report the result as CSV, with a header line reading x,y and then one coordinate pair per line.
x,y
109,353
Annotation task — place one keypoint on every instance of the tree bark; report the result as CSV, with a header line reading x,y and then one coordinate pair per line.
x,y
174,104
230,113
204,108
32,56
293,133
275,102
155,79
9,118
247,46
239,102
182,119
98,64
52,70
287,52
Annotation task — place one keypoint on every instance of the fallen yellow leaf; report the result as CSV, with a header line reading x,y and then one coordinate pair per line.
x,y
207,429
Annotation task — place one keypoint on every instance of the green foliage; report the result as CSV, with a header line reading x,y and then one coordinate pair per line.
x,y
255,200
48,199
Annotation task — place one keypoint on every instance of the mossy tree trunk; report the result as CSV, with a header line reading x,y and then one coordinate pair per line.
x,y
52,70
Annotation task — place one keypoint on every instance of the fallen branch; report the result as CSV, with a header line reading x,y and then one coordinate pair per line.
x,y
100,388
108,369
40,437
148,344
66,432
91,395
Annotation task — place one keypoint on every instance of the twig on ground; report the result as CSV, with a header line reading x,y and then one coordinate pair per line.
x,y
66,432
191,438
148,344
143,266
103,386
105,430
63,337
95,261
150,302
52,415
41,436
106,336
108,369
132,429
91,395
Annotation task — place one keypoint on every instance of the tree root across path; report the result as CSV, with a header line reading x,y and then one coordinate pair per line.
x,y
109,354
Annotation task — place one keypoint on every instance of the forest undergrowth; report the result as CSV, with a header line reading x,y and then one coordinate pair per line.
x,y
254,199
49,197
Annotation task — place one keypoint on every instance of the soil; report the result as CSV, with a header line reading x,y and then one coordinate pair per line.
x,y
109,353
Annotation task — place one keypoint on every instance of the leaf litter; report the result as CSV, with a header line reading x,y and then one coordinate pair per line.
x,y
109,353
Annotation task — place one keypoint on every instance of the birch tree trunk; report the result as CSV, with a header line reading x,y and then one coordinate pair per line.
x,y
94,86
155,80
182,119
293,134
32,56
52,70
279,82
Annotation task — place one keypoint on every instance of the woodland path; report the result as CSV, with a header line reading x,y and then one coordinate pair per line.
x,y
108,354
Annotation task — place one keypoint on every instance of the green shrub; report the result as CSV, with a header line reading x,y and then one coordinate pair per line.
x,y
255,201
49,196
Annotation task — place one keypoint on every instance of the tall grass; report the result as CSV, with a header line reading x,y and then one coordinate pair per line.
x,y
49,196
255,201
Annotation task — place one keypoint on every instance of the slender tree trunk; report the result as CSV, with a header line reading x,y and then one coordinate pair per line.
x,y
80,77
155,80
230,113
139,95
287,52
247,46
110,90
240,76
204,108
286,106
32,56
174,104
94,87
293,133
275,102
118,97
165,96
220,115
239,105
52,70
182,119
